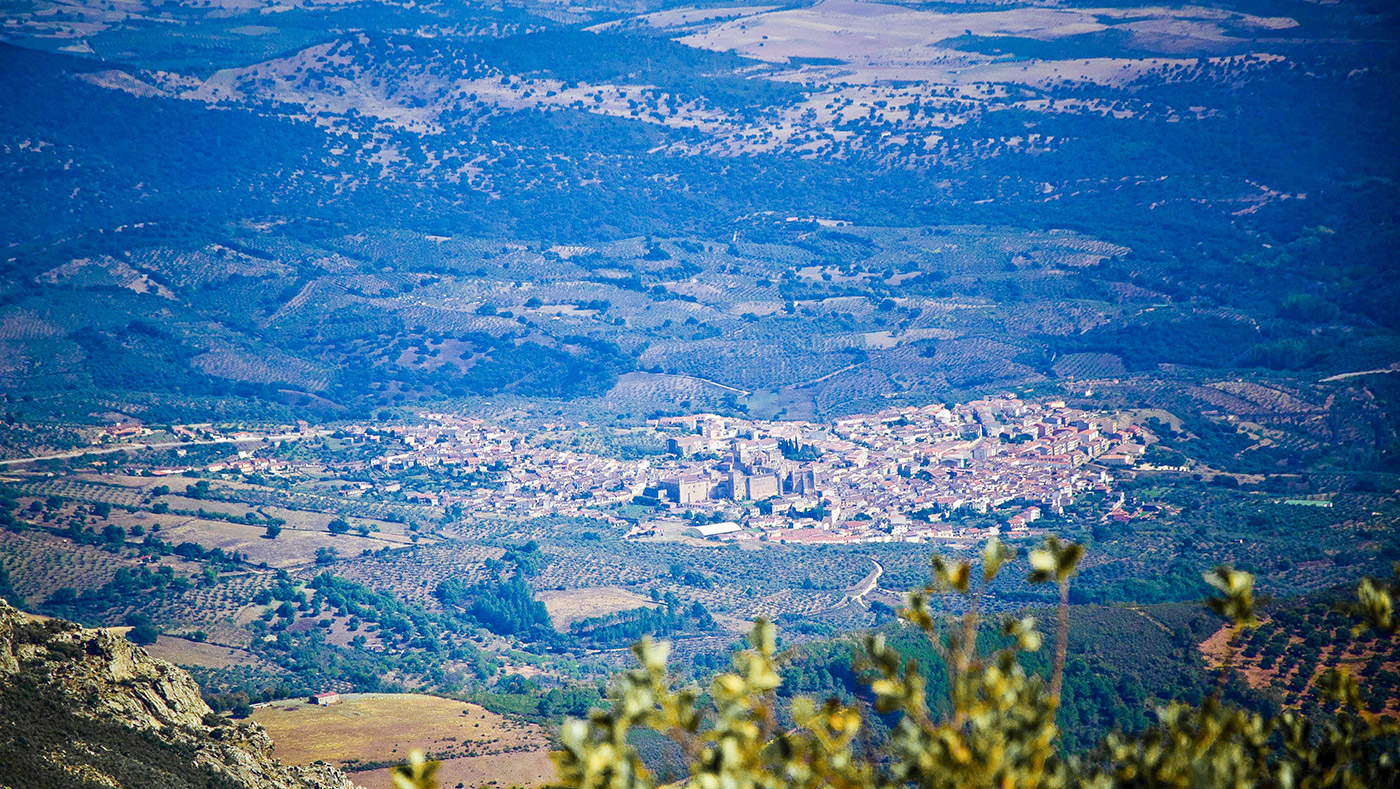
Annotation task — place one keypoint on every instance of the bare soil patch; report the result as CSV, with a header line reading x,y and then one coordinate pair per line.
x,y
571,605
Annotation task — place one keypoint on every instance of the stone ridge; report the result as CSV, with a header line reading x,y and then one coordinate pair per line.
x,y
87,708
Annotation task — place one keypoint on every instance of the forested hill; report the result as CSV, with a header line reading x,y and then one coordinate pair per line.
x,y
694,187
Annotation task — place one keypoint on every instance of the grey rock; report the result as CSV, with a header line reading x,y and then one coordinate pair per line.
x,y
85,708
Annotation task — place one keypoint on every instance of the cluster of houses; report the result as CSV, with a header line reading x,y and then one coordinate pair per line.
x,y
897,475
893,475
901,474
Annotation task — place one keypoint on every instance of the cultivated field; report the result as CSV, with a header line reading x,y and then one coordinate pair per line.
x,y
39,564
372,729
184,652
1278,661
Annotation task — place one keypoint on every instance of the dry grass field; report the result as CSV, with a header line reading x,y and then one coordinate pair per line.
x,y
317,521
376,728
184,652
187,504
567,606
506,769
293,547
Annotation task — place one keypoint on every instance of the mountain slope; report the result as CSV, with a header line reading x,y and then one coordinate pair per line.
x,y
86,708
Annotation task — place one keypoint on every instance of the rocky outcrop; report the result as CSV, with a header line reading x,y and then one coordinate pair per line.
x,y
87,708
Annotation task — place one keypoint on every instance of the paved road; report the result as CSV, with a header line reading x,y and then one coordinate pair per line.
x,y
1344,376
159,445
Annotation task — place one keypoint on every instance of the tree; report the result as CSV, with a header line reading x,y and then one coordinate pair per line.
x,y
142,631
144,634
113,534
326,555
338,526
62,596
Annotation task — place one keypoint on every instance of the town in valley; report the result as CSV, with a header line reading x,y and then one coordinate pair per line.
x,y
903,474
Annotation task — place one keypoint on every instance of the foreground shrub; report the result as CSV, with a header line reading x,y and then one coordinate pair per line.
x,y
1001,731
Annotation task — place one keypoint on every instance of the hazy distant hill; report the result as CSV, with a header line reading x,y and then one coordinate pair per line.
x,y
360,207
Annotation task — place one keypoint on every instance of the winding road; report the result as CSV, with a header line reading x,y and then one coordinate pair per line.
x,y
867,584
1344,376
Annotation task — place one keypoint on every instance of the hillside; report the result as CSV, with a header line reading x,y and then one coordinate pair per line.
x,y
365,208
87,708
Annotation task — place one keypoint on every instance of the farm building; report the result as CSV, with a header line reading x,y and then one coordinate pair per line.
x,y
712,529
324,699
